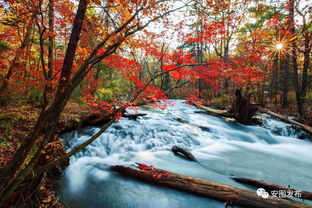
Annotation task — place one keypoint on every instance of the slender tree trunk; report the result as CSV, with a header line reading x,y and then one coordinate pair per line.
x,y
274,81
51,44
200,61
285,81
41,44
306,62
297,87
165,80
262,97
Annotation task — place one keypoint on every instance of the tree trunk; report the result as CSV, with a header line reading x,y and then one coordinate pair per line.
x,y
51,45
306,61
274,81
285,81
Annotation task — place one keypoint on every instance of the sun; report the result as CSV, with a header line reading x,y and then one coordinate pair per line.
x,y
279,46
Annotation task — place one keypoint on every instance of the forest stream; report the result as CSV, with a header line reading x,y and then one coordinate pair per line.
x,y
269,152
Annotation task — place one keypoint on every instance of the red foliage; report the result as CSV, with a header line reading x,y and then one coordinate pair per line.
x,y
157,174
124,64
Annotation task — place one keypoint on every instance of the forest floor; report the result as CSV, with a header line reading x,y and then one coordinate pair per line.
x,y
17,119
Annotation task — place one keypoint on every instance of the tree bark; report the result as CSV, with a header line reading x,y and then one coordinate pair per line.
x,y
224,193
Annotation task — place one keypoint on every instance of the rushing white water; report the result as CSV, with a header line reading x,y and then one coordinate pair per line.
x,y
269,152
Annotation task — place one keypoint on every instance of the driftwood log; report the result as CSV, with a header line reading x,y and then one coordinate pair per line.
x,y
224,193
272,187
287,120
183,153
93,119
216,112
86,120
225,114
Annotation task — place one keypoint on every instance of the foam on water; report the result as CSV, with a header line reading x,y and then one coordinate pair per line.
x,y
270,152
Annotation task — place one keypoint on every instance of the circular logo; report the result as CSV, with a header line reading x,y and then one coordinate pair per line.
x,y
262,193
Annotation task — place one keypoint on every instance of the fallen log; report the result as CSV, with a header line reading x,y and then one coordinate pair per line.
x,y
183,153
86,120
225,114
287,120
215,112
273,187
92,119
224,193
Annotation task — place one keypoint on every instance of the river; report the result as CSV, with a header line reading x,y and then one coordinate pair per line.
x,y
268,152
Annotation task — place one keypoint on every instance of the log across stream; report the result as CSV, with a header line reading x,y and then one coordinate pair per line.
x,y
269,152
228,194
